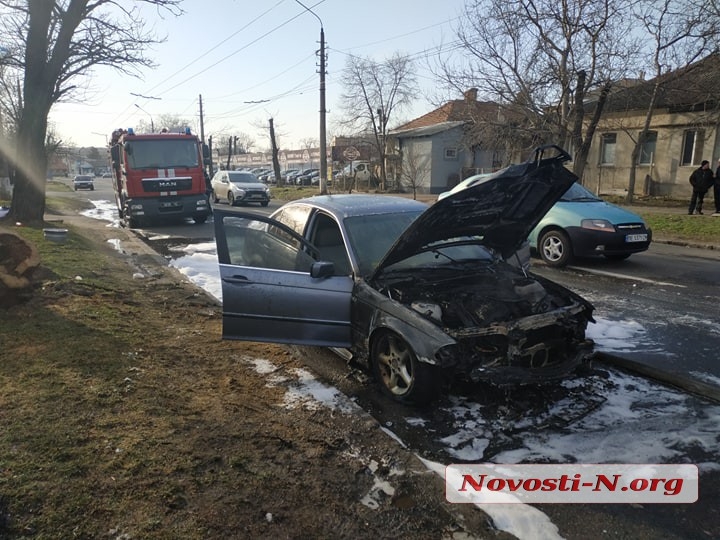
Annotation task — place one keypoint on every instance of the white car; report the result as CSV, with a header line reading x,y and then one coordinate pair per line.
x,y
239,187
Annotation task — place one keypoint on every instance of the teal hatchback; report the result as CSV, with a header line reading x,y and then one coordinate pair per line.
x,y
582,225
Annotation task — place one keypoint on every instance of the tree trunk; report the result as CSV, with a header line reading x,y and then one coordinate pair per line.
x,y
30,160
639,143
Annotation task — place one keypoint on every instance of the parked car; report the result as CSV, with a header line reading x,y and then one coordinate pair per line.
x,y
268,177
238,187
583,225
417,294
469,181
292,177
287,173
303,179
83,181
360,171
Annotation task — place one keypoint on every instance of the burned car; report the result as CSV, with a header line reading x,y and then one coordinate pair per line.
x,y
417,294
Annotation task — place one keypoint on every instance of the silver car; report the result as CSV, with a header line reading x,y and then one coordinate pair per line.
x,y
83,181
417,294
239,187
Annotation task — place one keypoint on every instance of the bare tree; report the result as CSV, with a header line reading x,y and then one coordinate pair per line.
x,y
679,32
416,166
56,43
542,61
309,144
373,93
244,143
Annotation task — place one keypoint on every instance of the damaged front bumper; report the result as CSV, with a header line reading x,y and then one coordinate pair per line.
x,y
533,349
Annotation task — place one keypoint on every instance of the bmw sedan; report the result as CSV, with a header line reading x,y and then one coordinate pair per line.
x,y
583,225
418,295
239,187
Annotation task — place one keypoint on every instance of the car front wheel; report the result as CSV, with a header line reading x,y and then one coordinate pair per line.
x,y
400,374
231,199
555,248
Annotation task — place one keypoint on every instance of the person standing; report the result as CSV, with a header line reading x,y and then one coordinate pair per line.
x,y
701,179
716,191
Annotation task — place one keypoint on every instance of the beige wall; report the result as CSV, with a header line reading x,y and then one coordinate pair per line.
x,y
668,177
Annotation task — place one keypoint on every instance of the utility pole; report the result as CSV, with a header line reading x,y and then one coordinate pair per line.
x,y
323,142
202,121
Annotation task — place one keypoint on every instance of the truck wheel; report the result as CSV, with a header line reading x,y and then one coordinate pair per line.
x,y
199,219
264,203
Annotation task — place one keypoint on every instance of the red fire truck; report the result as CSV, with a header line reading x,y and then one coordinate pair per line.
x,y
158,177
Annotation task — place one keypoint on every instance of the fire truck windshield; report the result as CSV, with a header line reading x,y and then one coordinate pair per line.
x,y
162,154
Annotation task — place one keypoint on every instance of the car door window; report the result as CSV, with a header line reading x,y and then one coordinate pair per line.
x,y
295,218
328,239
261,244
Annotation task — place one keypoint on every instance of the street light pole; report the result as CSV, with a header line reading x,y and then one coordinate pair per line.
x,y
323,142
152,125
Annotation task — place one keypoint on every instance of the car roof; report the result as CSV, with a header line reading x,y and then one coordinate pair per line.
x,y
348,205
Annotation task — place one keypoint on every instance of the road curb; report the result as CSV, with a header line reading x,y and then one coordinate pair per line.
x,y
670,378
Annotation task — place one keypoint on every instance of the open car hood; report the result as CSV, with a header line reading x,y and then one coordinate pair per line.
x,y
502,209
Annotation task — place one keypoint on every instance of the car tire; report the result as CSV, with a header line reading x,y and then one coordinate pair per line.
x,y
399,373
554,248
264,203
231,199
199,220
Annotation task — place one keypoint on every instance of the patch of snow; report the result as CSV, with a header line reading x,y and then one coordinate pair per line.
x,y
105,211
521,520
706,377
201,267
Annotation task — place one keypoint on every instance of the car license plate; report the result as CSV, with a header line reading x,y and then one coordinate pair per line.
x,y
636,238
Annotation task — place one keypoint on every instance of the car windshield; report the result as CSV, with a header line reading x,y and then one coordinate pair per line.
x,y
449,254
162,153
371,236
242,178
578,193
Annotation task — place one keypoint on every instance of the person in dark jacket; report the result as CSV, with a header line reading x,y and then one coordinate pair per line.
x,y
716,190
701,180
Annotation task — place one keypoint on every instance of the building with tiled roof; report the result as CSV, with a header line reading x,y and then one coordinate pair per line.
x,y
683,132
435,151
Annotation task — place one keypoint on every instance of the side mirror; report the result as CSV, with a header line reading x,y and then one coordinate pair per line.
x,y
206,154
115,153
128,148
322,269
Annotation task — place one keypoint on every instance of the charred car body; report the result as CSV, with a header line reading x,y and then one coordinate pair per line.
x,y
415,293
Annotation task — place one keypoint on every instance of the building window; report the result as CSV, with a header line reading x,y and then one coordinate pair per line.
x,y
451,153
693,141
607,150
647,150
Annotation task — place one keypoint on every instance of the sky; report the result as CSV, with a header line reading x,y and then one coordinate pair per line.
x,y
255,60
